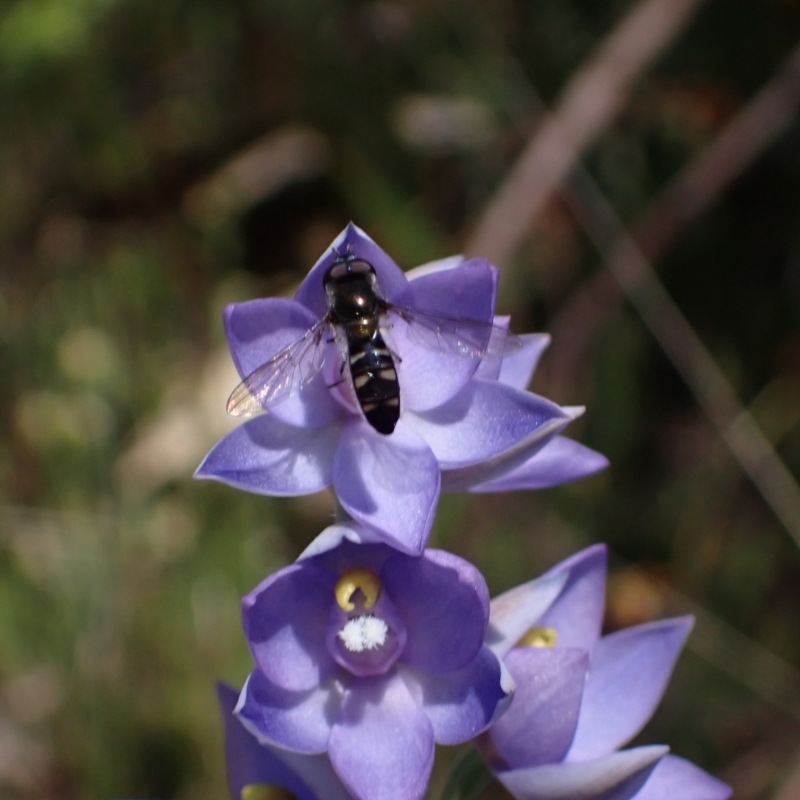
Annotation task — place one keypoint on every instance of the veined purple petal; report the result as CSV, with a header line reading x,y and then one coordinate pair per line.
x,y
248,761
298,721
267,456
431,368
539,726
285,621
615,777
577,613
382,744
627,678
461,704
518,609
674,778
560,460
444,603
390,483
391,279
481,421
519,365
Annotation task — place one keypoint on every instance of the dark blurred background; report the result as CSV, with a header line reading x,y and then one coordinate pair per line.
x,y
161,158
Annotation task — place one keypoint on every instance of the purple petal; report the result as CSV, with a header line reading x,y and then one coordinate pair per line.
x,y
334,535
391,279
519,365
627,678
444,603
518,609
577,613
461,704
480,474
539,726
256,331
390,483
430,369
382,745
615,777
298,721
483,420
559,461
268,456
247,761
448,262
675,778
285,620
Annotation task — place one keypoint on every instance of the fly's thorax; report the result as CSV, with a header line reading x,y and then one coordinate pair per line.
x,y
353,297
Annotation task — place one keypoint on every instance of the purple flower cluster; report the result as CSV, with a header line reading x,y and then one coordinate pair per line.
x,y
371,649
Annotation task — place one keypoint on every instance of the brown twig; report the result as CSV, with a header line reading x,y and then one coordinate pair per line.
x,y
589,102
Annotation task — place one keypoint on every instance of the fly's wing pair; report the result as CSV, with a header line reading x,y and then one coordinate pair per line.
x,y
283,375
457,336
294,366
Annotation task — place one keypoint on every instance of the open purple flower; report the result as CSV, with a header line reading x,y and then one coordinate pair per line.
x,y
461,405
371,656
581,697
248,763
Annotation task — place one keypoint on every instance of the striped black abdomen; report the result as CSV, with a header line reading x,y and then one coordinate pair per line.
x,y
375,381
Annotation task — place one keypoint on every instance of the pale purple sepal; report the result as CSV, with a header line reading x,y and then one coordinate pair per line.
x,y
616,777
518,609
334,535
539,726
248,762
391,278
299,721
559,461
462,704
577,613
483,420
463,479
629,673
269,456
390,483
519,365
677,779
382,744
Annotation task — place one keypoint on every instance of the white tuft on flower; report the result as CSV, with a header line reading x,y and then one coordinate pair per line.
x,y
364,633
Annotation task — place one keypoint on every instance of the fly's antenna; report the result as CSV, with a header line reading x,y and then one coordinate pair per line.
x,y
345,258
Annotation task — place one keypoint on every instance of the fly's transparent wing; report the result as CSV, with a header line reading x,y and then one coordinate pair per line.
x,y
280,377
458,336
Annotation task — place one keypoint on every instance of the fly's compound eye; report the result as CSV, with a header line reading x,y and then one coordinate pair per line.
x,y
347,266
337,270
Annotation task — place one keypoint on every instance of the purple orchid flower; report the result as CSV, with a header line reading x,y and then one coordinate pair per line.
x,y
465,421
581,697
249,763
370,655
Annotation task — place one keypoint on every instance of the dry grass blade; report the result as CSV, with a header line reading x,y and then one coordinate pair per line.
x,y
685,198
590,101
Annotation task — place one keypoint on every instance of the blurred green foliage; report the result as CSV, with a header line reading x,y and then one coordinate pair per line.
x,y
124,229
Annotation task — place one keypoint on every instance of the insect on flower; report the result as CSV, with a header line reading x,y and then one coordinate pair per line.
x,y
357,319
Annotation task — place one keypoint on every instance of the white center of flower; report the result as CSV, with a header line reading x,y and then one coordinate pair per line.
x,y
364,633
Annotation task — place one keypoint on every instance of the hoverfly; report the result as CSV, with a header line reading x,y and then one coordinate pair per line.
x,y
356,315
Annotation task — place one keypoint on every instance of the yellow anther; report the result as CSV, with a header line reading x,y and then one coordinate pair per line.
x,y
357,580
263,791
539,637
